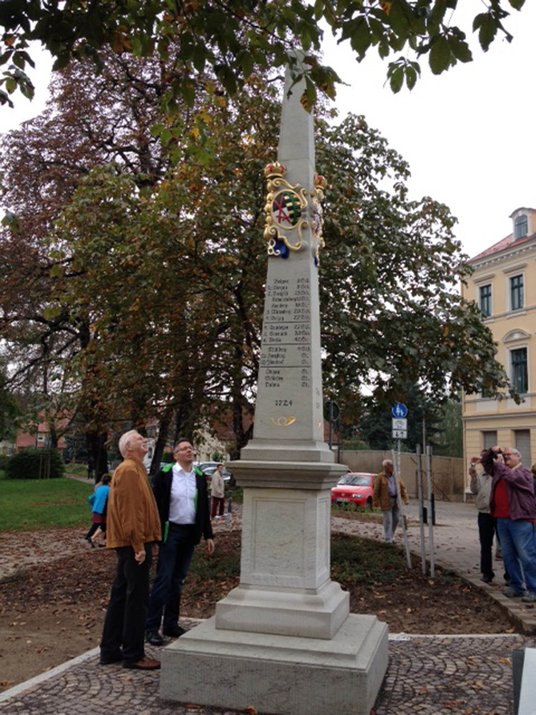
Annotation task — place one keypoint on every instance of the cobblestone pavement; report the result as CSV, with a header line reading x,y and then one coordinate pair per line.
x,y
442,675
427,675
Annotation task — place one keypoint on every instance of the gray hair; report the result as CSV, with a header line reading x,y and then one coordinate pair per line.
x,y
386,462
516,452
180,441
124,440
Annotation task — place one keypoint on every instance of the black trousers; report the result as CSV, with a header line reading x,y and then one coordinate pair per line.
x,y
124,623
486,530
174,559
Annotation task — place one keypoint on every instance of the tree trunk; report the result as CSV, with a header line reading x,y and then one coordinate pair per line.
x,y
239,404
161,441
53,437
97,454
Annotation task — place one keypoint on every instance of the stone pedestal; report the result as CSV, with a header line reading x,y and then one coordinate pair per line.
x,y
285,585
283,640
279,674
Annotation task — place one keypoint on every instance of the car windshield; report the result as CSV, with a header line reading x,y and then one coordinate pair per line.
x,y
355,480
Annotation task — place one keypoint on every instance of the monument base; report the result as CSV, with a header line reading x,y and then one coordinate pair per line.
x,y
315,614
281,675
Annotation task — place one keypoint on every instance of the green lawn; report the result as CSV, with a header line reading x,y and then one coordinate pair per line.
x,y
79,469
42,503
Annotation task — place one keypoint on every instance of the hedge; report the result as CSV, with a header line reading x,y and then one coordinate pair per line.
x,y
34,463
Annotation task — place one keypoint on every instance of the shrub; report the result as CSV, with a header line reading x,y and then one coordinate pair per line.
x,y
34,463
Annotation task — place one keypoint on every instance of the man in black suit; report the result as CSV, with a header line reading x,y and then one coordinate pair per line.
x,y
182,499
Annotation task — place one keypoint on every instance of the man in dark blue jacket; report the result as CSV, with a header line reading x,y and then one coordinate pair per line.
x,y
181,496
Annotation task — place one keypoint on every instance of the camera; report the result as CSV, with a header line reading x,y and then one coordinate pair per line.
x,y
490,454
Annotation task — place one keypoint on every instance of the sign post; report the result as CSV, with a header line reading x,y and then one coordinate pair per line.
x,y
399,413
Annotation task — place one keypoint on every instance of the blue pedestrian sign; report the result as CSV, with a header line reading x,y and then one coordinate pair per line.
x,y
399,410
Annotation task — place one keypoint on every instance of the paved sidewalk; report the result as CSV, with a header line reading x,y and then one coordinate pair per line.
x,y
427,675
456,547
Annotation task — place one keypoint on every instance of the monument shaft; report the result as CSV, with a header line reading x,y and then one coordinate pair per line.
x,y
289,420
283,640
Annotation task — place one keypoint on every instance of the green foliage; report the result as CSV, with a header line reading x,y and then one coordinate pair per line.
x,y
146,296
236,494
237,39
353,560
79,470
35,463
350,508
42,504
442,424
452,430
398,318
364,561
219,567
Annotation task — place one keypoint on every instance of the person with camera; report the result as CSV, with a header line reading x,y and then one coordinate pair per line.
x,y
513,505
480,486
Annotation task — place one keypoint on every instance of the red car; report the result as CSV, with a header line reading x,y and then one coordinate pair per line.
x,y
354,488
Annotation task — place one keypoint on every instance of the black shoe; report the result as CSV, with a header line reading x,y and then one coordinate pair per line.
x,y
153,637
486,578
110,659
174,631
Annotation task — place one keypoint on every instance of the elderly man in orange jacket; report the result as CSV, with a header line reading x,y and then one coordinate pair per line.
x,y
385,496
133,530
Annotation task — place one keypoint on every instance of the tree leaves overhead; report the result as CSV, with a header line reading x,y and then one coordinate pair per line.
x,y
395,268
236,38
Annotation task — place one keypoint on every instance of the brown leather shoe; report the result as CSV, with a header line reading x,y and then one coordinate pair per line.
x,y
143,664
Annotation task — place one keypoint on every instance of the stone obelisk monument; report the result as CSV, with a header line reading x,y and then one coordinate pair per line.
x,y
283,640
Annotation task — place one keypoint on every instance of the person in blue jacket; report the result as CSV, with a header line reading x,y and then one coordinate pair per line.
x,y
98,501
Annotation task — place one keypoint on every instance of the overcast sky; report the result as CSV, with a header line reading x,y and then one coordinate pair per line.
x,y
468,134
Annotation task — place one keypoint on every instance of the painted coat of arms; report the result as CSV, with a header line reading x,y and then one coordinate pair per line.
x,y
287,211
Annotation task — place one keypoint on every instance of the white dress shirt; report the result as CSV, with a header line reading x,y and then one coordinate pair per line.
x,y
183,496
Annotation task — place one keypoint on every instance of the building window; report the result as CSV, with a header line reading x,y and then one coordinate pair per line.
x,y
521,227
489,439
522,441
516,292
485,300
520,376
